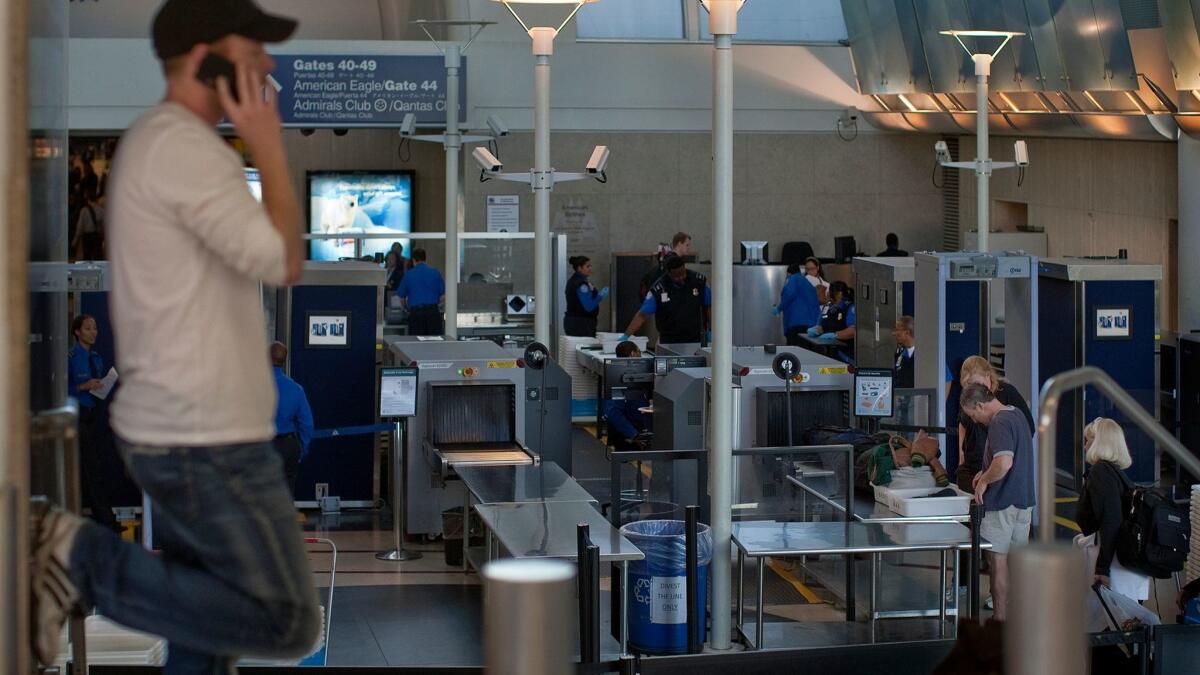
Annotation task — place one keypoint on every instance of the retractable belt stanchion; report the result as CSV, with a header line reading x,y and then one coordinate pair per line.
x,y
974,566
399,510
589,595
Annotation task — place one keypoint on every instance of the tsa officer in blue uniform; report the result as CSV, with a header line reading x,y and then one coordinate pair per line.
x,y
583,300
799,305
628,427
84,369
423,290
681,304
293,417
839,321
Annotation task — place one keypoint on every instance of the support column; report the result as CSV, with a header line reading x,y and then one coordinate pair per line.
x,y
15,191
983,162
721,452
1189,233
543,182
453,145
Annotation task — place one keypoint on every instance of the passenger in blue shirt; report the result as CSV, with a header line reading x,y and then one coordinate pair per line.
x,y
628,426
422,290
84,369
293,417
799,305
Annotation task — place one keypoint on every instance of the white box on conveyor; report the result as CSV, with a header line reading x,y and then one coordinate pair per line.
x,y
916,503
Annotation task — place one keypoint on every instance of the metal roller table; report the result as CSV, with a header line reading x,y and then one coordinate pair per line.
x,y
517,484
866,510
544,482
767,538
548,530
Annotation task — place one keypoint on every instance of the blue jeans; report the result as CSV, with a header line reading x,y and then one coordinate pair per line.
x,y
233,578
625,420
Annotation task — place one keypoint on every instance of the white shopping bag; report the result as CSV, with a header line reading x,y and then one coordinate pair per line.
x,y
1124,581
1107,610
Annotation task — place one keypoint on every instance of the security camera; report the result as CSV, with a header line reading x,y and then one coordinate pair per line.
x,y
487,161
408,125
943,152
598,161
1021,153
497,126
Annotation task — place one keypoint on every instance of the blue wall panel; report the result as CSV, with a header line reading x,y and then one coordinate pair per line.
x,y
1129,362
1056,354
340,384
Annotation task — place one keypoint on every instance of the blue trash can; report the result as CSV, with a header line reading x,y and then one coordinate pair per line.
x,y
657,592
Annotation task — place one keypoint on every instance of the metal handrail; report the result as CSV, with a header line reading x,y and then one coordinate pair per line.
x,y
1051,396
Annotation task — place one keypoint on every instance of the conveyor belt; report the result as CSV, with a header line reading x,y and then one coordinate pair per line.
x,y
462,458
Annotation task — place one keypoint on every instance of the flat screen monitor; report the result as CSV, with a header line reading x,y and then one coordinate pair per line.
x,y
397,392
358,202
254,182
873,392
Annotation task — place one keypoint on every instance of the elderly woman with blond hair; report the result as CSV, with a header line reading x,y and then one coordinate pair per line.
x,y
1101,502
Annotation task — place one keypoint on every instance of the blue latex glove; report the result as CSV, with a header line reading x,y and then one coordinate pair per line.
x,y
603,293
828,337
775,310
623,338
815,331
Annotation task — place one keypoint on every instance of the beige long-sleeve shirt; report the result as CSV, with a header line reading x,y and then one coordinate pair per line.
x,y
189,247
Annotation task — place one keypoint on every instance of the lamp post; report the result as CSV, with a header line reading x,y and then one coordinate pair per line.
x,y
722,23
983,164
541,177
452,141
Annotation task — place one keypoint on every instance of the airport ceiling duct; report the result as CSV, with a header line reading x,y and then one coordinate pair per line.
x,y
1085,68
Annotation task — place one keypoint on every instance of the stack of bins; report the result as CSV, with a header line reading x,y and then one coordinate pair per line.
x,y
583,383
1192,572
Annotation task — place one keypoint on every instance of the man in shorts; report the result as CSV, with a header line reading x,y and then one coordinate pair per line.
x,y
1005,487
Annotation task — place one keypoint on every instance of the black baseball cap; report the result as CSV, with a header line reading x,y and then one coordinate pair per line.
x,y
183,24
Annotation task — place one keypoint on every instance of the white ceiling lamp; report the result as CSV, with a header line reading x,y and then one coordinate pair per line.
x,y
722,15
983,164
542,176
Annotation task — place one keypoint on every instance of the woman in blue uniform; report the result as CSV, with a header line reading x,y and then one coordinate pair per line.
x,y
583,300
85,368
798,304
839,320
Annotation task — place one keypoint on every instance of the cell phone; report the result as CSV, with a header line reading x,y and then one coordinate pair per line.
x,y
214,66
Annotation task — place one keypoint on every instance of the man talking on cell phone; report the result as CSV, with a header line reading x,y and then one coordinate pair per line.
x,y
189,247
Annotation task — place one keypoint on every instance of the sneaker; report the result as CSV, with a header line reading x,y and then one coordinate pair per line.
x,y
950,596
53,596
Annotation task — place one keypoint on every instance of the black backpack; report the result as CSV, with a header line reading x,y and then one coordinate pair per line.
x,y
1153,538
